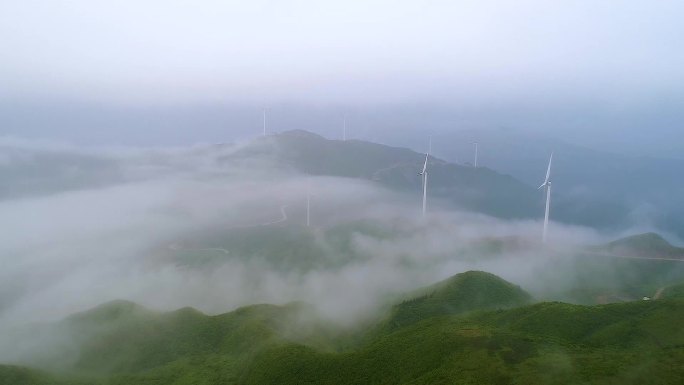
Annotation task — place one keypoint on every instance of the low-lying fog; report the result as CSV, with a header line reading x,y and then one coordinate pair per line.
x,y
199,227
67,251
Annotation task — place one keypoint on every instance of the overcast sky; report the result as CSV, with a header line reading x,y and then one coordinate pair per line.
x,y
71,68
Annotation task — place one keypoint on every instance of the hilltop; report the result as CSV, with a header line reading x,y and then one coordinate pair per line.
x,y
475,189
469,291
625,269
452,185
549,343
648,245
525,153
511,165
459,185
605,185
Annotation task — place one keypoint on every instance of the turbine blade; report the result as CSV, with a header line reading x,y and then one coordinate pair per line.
x,y
548,170
425,164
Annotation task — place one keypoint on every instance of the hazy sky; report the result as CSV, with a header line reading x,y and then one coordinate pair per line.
x,y
73,66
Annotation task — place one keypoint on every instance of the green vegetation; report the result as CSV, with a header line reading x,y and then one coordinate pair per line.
x,y
591,279
10,374
473,328
624,270
288,247
473,290
649,245
675,291
476,189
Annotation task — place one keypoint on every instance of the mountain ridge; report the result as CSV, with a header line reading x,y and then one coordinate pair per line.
x,y
531,343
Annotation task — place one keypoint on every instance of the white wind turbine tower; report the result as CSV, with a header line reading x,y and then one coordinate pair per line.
x,y
424,173
264,122
547,185
344,129
475,164
308,202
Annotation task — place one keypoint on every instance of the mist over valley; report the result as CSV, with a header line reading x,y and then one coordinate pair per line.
x,y
377,192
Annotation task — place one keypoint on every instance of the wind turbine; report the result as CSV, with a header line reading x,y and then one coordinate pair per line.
x,y
547,185
475,164
344,128
264,122
424,173
308,202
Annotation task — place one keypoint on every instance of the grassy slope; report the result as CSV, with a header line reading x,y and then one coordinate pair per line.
x,y
619,271
649,245
121,342
635,342
585,278
545,343
478,189
618,279
12,375
675,291
473,290
289,247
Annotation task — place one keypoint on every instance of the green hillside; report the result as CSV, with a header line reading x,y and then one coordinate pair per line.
x,y
454,332
10,375
121,337
503,347
477,189
288,247
473,290
605,185
461,186
674,291
649,245
623,270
